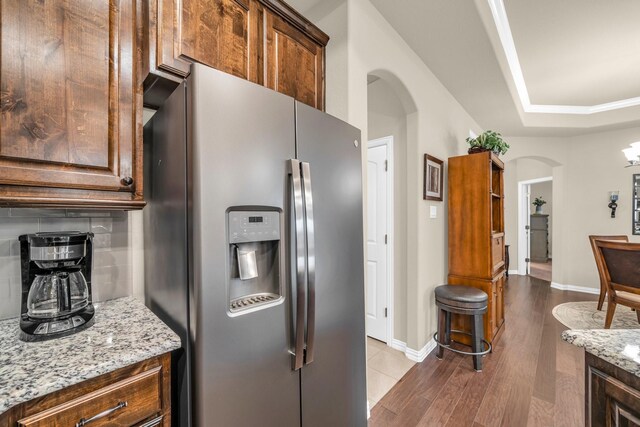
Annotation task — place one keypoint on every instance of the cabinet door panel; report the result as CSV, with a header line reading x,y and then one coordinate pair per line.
x,y
68,99
610,401
294,62
500,301
217,33
165,25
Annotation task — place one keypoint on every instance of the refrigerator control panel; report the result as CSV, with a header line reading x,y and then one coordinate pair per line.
x,y
253,226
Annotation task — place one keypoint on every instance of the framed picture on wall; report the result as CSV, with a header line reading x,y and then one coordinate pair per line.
x,y
433,178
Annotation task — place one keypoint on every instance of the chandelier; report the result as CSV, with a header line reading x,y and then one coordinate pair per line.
x,y
633,154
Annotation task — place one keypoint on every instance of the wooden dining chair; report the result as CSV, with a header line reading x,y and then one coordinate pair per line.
x,y
603,284
621,262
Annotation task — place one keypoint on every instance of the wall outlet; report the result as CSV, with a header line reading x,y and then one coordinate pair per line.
x,y
433,212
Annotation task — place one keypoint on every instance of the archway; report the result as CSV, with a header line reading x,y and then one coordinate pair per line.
x,y
391,136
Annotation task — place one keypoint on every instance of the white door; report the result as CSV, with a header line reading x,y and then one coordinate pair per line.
x,y
376,291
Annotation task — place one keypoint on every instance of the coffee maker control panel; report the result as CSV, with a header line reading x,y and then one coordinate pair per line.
x,y
254,226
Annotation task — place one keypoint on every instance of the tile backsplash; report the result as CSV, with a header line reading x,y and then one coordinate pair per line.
x,y
112,257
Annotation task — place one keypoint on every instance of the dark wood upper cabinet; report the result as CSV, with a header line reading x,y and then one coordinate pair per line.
x,y
218,34
294,62
263,41
71,104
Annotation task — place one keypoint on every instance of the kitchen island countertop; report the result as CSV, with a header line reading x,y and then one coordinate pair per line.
x,y
125,332
620,347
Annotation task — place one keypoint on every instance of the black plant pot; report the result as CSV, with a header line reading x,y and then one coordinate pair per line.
x,y
476,149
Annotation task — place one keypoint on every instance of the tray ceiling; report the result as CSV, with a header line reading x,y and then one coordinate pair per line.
x,y
578,61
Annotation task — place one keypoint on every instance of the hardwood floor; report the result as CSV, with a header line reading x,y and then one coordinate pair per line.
x,y
540,270
531,378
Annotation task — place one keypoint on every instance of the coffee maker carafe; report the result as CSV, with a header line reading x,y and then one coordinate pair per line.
x,y
56,284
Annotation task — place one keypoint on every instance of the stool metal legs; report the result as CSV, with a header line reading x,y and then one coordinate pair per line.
x,y
444,330
478,343
477,332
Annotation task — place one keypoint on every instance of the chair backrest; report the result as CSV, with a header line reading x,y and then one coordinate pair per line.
x,y
596,254
621,262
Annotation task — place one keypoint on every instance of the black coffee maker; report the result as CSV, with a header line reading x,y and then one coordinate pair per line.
x,y
56,284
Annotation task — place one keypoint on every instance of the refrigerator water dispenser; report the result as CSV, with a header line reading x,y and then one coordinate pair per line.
x,y
255,270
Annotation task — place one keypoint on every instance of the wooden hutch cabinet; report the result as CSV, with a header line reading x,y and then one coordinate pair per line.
x,y
71,106
263,41
476,235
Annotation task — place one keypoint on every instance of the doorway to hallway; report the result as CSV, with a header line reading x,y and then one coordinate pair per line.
x,y
535,221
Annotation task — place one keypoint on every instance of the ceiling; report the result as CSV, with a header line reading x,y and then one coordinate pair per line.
x,y
574,52
523,67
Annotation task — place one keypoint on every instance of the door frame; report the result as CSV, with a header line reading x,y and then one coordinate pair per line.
x,y
388,142
524,210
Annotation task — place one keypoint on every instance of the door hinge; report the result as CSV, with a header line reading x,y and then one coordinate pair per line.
x,y
385,312
386,165
386,239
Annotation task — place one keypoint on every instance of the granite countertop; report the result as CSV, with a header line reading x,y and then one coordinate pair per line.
x,y
620,347
125,332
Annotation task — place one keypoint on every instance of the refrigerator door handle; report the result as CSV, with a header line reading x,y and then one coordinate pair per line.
x,y
300,264
311,262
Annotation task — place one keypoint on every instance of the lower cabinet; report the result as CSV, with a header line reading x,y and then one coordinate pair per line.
x,y
137,395
493,319
612,395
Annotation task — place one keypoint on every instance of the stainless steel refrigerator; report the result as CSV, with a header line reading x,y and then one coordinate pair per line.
x,y
254,255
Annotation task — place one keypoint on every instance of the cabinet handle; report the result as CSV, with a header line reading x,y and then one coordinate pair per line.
x,y
127,180
84,421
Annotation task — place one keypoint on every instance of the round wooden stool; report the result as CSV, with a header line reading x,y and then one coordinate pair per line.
x,y
462,300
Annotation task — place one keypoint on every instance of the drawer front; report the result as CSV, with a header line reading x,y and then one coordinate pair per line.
x,y
124,403
497,252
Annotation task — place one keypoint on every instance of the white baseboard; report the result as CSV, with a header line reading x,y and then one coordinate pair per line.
x,y
514,272
398,345
415,355
574,288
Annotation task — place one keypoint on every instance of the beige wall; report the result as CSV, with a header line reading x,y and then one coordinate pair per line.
x,y
436,124
386,117
584,168
334,23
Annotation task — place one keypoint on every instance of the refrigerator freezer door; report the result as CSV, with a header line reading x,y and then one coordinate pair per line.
x,y
165,237
243,135
334,383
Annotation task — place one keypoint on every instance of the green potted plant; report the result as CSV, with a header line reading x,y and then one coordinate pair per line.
x,y
538,202
488,141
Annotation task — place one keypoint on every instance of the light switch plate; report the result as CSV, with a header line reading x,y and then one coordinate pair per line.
x,y
433,212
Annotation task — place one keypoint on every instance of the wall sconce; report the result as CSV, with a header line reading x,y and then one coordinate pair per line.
x,y
633,154
613,205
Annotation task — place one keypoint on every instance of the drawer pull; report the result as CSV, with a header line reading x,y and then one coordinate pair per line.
x,y
83,422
